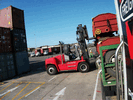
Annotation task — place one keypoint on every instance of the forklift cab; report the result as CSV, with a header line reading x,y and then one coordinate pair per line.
x,y
68,54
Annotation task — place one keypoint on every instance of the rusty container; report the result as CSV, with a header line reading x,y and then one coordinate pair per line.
x,y
5,40
12,17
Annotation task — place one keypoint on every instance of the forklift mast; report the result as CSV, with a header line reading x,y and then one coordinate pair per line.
x,y
82,35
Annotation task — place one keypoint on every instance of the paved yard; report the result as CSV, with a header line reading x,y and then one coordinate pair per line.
x,y
38,85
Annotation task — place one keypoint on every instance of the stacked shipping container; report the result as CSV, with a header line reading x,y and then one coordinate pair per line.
x,y
12,17
13,45
7,69
19,40
22,62
5,40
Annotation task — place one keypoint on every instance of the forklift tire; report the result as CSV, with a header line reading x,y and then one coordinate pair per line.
x,y
83,67
51,70
108,58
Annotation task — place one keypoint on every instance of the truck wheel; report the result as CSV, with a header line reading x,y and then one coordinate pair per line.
x,y
83,67
51,70
110,57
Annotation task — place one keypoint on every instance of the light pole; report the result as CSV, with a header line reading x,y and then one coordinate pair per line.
x,y
35,41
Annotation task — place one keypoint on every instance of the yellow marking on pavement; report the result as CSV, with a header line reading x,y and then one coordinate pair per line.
x,y
27,82
1,83
31,91
6,87
4,95
37,82
20,91
9,91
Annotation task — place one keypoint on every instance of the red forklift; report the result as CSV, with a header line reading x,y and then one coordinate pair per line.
x,y
67,60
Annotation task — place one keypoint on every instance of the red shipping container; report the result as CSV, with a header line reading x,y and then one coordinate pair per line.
x,y
104,23
12,17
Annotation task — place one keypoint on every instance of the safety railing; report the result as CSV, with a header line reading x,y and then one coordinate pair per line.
x,y
103,66
119,64
119,72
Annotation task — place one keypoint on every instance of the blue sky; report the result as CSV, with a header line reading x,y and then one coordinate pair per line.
x,y
49,21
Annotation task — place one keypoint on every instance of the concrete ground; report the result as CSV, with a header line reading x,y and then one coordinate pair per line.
x,y
38,85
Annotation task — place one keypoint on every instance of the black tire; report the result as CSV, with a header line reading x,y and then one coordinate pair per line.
x,y
51,70
109,55
83,67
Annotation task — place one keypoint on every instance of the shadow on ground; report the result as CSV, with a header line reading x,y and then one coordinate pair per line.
x,y
35,67
39,66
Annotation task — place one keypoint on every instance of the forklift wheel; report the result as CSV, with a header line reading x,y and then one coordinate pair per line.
x,y
83,67
51,70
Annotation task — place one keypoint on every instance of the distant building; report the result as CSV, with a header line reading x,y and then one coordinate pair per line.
x,y
31,49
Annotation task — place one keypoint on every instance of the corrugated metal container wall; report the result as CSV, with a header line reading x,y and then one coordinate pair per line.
x,y
12,17
3,62
6,66
23,40
5,40
13,44
19,40
0,76
21,62
10,65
